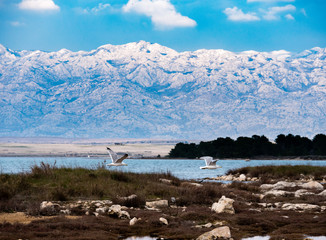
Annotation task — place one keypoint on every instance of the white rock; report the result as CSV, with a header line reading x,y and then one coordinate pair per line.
x,y
266,187
65,211
242,177
302,192
228,178
124,215
166,181
277,193
224,205
217,233
158,204
208,225
323,193
164,221
283,184
115,210
300,207
49,208
133,221
101,210
313,185
98,204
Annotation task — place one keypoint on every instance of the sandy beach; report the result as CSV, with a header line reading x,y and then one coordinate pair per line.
x,y
135,150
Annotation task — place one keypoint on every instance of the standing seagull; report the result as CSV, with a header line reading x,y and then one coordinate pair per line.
x,y
116,161
210,163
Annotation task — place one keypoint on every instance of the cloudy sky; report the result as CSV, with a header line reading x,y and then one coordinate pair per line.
x,y
235,25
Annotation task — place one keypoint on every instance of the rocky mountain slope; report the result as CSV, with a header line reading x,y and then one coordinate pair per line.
x,y
147,90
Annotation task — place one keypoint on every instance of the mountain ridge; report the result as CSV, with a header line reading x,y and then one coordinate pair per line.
x,y
147,90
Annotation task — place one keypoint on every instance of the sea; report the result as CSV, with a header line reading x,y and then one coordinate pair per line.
x,y
182,168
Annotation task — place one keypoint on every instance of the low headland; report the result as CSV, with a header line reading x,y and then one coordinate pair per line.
x,y
49,202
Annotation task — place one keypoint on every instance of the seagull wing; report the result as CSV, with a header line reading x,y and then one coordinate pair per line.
x,y
207,159
113,155
213,162
121,159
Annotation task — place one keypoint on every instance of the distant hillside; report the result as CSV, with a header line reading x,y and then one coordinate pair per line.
x,y
143,90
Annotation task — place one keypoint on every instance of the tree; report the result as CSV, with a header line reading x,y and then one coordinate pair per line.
x,y
319,144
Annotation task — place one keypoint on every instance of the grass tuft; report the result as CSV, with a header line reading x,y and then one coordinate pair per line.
x,y
282,172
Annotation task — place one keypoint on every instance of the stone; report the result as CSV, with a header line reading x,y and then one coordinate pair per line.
x,y
98,204
191,184
196,184
133,221
125,208
283,184
242,177
65,211
228,178
101,210
131,197
277,193
115,210
49,208
164,221
124,215
166,181
224,205
207,225
158,204
220,232
313,185
219,223
266,187
323,193
302,192
300,207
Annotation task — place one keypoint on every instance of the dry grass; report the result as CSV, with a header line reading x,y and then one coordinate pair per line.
x,y
282,172
24,192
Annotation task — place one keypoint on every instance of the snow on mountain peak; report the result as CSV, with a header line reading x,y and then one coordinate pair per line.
x,y
141,89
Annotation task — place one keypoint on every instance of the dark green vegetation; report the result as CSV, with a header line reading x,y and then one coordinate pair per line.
x,y
256,146
282,172
25,192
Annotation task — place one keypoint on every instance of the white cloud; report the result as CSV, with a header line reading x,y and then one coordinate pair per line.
x,y
303,11
17,24
236,14
38,5
102,7
289,17
273,12
162,13
270,1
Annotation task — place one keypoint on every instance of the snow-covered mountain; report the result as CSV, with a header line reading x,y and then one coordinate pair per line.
x,y
144,90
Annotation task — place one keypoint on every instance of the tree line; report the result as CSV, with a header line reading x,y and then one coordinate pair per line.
x,y
246,147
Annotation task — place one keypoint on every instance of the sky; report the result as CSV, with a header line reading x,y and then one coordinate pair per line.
x,y
184,25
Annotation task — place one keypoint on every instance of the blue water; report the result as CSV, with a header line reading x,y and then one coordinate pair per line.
x,y
184,169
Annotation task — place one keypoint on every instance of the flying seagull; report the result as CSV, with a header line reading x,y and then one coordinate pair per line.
x,y
210,163
116,161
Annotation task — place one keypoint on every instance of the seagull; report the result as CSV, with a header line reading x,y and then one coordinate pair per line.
x,y
116,161
210,163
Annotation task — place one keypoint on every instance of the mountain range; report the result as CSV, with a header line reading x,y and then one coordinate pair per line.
x,y
144,90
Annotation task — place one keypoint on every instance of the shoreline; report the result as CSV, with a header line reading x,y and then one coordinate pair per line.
x,y
83,155
138,150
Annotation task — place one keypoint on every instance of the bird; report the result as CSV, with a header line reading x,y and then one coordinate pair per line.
x,y
210,163
116,161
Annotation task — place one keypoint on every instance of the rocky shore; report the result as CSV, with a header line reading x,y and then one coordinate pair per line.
x,y
243,206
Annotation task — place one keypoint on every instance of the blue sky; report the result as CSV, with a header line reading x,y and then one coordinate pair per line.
x,y
235,25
